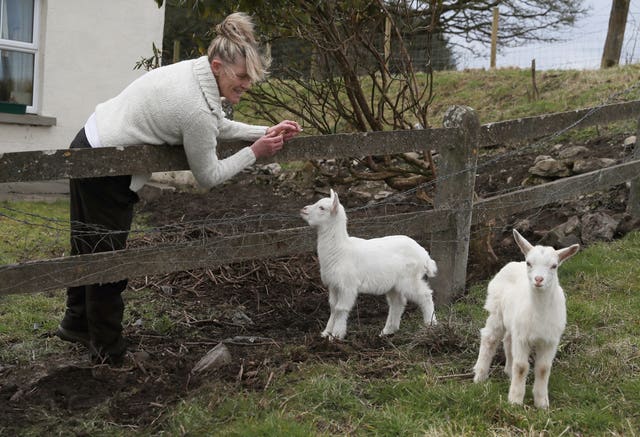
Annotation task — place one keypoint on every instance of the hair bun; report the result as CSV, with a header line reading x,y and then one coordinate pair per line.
x,y
237,27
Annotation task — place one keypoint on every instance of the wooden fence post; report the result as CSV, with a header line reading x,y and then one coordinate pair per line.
x,y
454,192
633,204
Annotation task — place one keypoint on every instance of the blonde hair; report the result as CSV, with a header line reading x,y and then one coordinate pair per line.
x,y
234,41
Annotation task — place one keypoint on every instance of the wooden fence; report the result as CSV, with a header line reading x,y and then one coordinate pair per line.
x,y
449,223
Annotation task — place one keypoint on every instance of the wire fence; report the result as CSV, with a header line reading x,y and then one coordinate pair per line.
x,y
579,47
232,229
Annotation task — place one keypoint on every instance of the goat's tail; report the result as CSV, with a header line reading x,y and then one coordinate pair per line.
x,y
430,266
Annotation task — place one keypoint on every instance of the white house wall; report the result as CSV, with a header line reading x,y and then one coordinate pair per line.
x,y
89,50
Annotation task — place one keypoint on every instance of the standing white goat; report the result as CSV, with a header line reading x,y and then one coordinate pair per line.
x,y
393,265
527,311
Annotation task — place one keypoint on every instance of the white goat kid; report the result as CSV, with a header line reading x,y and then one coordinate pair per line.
x,y
527,311
393,265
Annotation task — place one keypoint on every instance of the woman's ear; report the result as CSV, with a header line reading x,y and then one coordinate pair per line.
x,y
216,66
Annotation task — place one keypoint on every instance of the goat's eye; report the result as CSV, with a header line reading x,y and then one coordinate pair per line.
x,y
528,264
322,208
554,266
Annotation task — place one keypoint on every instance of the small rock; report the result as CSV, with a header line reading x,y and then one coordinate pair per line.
x,y
541,158
549,167
140,356
563,235
214,359
273,168
382,195
240,318
598,226
630,141
586,165
627,224
523,226
572,152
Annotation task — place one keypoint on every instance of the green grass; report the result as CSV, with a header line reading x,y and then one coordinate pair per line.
x,y
33,230
506,93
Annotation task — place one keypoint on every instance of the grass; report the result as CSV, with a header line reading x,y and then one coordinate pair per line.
x,y
32,230
506,93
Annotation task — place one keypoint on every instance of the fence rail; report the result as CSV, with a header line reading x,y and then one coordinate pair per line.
x,y
112,161
448,223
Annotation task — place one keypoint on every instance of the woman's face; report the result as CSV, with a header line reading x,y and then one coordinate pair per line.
x,y
232,79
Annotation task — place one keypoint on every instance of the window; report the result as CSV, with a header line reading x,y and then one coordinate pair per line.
x,y
19,52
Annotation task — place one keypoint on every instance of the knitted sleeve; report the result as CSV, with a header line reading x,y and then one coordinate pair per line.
x,y
200,141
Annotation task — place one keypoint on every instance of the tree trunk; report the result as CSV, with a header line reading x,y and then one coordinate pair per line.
x,y
615,34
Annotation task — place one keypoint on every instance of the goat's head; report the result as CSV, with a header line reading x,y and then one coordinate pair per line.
x,y
323,211
543,261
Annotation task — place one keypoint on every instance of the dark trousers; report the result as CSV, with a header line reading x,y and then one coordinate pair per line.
x,y
101,212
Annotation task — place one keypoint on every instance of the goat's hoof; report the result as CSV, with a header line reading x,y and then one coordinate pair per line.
x,y
386,332
515,401
541,403
480,377
324,334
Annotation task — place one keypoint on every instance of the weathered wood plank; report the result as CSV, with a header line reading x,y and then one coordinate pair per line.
x,y
561,189
35,276
113,161
540,126
633,203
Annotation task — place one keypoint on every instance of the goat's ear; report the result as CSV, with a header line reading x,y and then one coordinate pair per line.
x,y
335,202
522,243
567,252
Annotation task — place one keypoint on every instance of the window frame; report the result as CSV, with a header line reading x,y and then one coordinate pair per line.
x,y
32,48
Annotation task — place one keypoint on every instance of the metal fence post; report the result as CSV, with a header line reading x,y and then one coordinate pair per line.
x,y
454,192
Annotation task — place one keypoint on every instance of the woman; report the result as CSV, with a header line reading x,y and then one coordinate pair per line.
x,y
176,104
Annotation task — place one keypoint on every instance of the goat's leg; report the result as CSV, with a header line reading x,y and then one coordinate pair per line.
x,y
506,342
542,370
519,370
344,302
424,299
332,305
397,302
490,336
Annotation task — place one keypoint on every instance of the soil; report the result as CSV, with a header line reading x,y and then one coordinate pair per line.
x,y
268,313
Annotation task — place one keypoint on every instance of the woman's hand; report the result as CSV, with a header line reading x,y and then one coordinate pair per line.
x,y
287,128
267,145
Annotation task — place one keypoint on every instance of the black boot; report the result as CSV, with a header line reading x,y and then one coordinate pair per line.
x,y
105,311
74,327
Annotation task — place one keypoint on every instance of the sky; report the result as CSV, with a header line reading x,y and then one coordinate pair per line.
x,y
580,49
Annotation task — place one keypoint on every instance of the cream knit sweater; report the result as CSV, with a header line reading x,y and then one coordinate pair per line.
x,y
177,104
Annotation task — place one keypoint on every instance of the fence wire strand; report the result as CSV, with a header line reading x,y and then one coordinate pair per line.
x,y
203,230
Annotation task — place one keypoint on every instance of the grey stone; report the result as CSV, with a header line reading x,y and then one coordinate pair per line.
x,y
550,167
598,226
586,165
572,152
